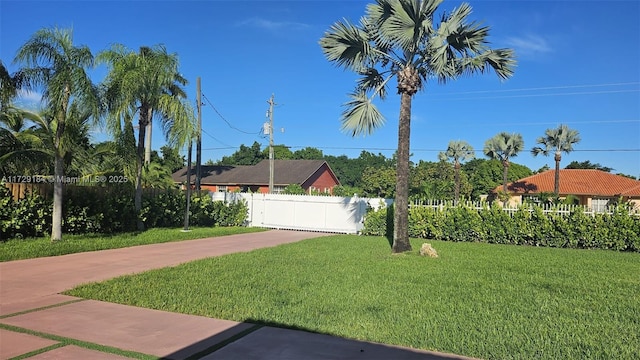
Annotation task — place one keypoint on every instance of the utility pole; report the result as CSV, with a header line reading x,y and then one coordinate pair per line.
x,y
188,189
199,138
271,103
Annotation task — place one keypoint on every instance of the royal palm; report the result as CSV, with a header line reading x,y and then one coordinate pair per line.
x,y
556,141
403,39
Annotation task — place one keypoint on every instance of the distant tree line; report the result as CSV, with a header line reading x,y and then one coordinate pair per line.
x,y
373,174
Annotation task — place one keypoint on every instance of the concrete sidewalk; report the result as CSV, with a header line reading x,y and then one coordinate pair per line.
x,y
38,317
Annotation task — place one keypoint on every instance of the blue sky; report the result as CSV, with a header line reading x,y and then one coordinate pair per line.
x,y
578,64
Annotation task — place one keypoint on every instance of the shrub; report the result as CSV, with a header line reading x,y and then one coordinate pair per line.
x,y
76,220
294,189
462,224
231,214
111,210
163,210
529,225
27,217
375,222
497,224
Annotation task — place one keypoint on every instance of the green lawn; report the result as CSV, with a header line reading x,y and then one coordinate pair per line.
x,y
481,300
40,247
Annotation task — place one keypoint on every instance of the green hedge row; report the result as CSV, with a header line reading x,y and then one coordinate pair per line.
x,y
617,230
111,210
167,210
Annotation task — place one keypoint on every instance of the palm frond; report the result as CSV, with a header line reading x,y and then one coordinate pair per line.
x,y
458,151
536,150
361,116
399,24
504,145
560,139
178,120
347,45
501,61
372,80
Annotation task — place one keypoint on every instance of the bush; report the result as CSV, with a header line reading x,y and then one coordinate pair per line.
x,y
165,209
294,189
111,210
27,217
529,225
375,222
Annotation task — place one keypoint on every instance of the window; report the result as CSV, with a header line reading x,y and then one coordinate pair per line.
x,y
599,204
278,189
222,188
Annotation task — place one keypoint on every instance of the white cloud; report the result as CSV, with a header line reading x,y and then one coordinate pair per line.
x,y
272,25
529,45
29,99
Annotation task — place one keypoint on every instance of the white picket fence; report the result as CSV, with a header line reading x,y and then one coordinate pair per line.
x,y
304,212
561,209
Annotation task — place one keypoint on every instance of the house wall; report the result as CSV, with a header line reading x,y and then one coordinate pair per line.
x,y
208,187
262,190
322,181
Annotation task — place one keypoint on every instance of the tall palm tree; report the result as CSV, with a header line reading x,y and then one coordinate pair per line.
x,y
502,147
557,140
53,64
457,151
147,83
402,39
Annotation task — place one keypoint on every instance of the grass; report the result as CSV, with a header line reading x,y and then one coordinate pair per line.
x,y
482,300
39,247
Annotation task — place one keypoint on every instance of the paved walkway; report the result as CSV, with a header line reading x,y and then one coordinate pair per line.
x,y
36,318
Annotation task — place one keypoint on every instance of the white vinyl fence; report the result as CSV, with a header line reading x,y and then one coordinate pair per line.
x,y
304,212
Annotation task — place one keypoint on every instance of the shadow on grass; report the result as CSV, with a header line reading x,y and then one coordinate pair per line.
x,y
259,339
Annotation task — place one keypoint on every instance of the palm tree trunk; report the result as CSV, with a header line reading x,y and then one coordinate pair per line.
x,y
58,170
505,175
401,207
142,127
188,187
56,216
456,179
147,145
556,186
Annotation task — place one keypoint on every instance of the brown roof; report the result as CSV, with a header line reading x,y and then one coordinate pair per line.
x,y
285,172
577,182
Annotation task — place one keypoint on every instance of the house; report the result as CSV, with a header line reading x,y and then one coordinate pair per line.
x,y
312,175
592,188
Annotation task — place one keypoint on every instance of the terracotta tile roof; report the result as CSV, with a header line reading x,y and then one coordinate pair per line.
x,y
285,172
577,182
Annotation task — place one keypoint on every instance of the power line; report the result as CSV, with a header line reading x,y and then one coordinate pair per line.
x,y
540,88
535,95
544,123
221,148
225,120
214,138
